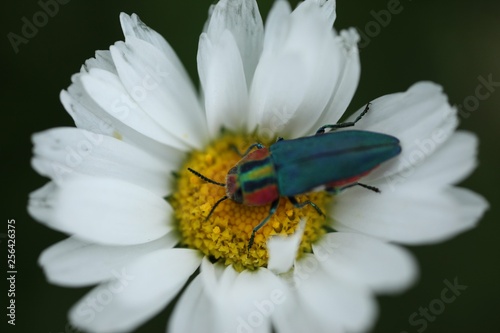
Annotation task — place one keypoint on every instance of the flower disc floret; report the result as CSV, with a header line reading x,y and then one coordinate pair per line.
x,y
224,236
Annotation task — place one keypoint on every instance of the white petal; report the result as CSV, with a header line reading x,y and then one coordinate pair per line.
x,y
133,27
276,32
416,116
149,285
142,132
367,262
277,26
114,112
194,312
409,214
156,85
102,60
217,279
334,303
76,263
327,7
242,300
241,18
101,210
82,115
223,81
297,74
106,90
449,164
283,250
251,300
62,153
347,78
277,91
290,317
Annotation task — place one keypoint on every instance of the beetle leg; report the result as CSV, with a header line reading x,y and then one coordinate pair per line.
x,y
369,187
252,146
333,127
297,204
337,190
274,206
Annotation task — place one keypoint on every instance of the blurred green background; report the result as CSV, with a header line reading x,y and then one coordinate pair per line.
x,y
449,42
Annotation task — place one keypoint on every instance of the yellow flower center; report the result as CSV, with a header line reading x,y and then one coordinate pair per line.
x,y
225,236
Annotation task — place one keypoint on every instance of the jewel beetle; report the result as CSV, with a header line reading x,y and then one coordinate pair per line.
x,y
330,161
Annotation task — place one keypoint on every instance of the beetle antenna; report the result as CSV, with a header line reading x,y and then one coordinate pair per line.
x,y
206,179
215,206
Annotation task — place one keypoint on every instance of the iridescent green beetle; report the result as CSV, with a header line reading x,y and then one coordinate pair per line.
x,y
331,161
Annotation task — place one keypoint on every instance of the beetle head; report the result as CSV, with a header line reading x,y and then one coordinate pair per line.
x,y
233,188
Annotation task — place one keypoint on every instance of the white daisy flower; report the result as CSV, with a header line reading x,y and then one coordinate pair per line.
x,y
137,217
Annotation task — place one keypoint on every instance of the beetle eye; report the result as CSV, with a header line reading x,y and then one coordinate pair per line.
x,y
238,195
233,171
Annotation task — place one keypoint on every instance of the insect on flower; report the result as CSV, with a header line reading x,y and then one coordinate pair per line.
x,y
330,161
